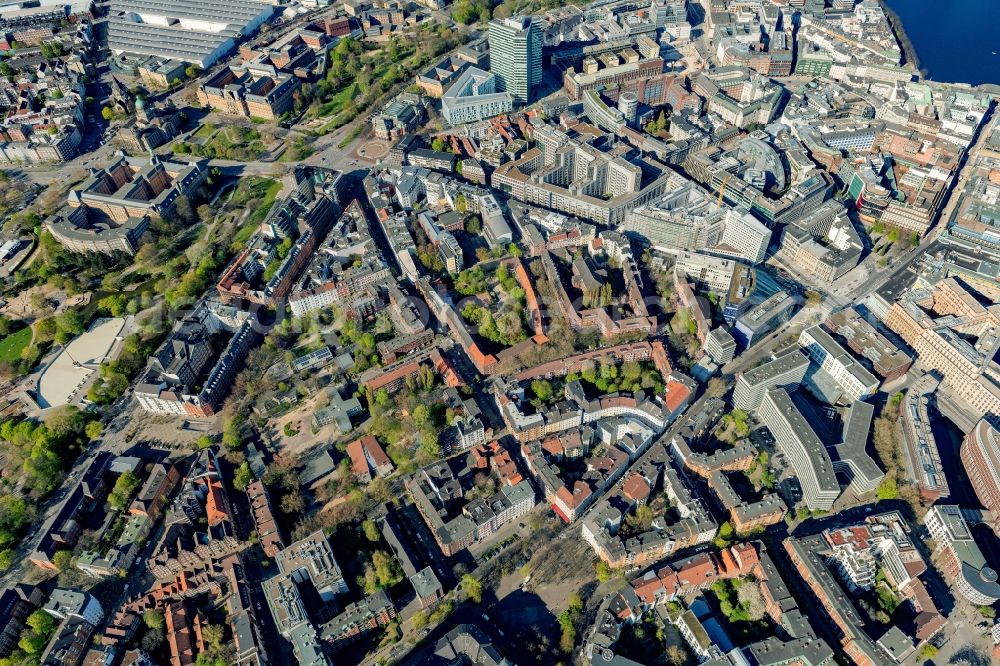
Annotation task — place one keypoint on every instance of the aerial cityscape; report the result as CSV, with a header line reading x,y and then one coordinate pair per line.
x,y
499,332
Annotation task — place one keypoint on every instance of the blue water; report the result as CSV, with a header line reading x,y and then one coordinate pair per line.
x,y
954,39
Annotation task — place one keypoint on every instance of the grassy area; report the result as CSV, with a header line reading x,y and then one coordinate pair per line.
x,y
205,131
232,143
12,345
351,136
260,186
337,102
296,151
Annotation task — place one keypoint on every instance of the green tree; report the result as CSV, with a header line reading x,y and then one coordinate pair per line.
x,y
70,321
204,442
41,623
107,113
542,389
371,530
242,477
724,535
232,436
473,588
387,570
888,489
154,619
421,415
93,429
125,486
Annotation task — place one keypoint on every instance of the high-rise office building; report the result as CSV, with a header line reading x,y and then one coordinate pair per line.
x,y
516,56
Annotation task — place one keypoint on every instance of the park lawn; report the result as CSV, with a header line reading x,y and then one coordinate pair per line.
x,y
338,101
205,131
12,345
244,233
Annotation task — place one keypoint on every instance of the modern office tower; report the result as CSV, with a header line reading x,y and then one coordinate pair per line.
x,y
764,318
687,217
706,272
672,17
720,345
516,56
804,450
473,97
850,375
789,369
981,458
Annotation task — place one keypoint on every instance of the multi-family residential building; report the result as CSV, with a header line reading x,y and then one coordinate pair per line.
x,y
743,515
836,565
155,490
439,493
265,272
335,276
191,373
692,525
16,604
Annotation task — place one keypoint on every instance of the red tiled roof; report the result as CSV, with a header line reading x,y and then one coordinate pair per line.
x,y
375,451
677,393
635,488
359,466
